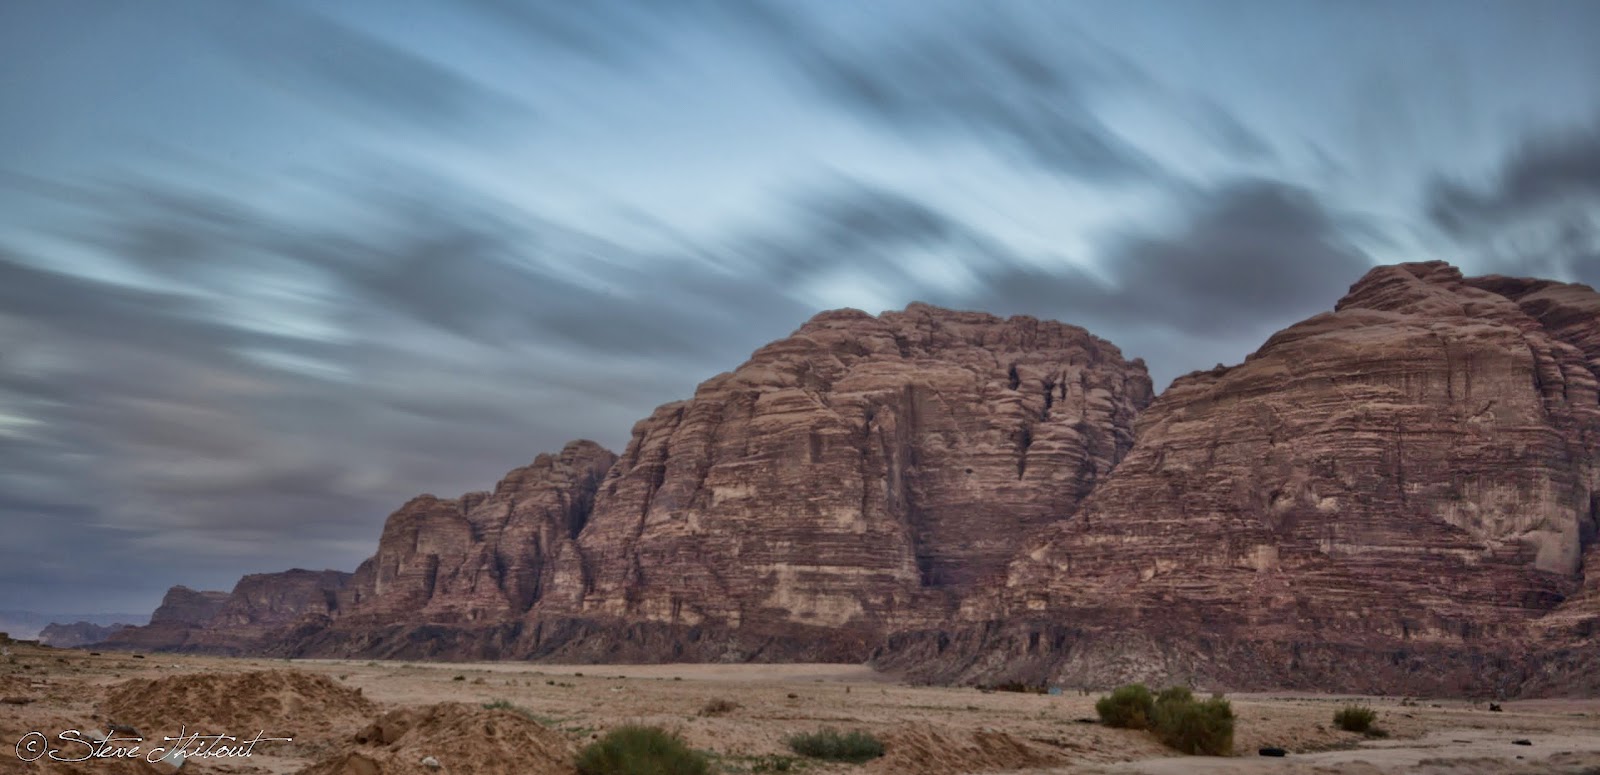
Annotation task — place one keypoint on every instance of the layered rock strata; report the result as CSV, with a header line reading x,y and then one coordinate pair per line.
x,y
1390,496
863,474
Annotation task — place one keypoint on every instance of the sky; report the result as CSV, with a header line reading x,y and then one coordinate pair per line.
x,y
269,269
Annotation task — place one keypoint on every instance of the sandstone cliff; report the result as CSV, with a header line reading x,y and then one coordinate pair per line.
x,y
1400,495
258,608
181,611
1389,497
486,556
865,473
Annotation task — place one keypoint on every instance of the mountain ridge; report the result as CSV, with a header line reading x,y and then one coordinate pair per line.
x,y
963,497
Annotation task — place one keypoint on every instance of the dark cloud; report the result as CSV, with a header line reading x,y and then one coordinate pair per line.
x,y
1249,257
998,80
168,397
1538,215
1252,250
851,225
1547,171
1252,257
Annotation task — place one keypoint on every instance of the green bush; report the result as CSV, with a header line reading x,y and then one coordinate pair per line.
x,y
1355,718
832,744
1129,707
1175,694
639,750
1193,727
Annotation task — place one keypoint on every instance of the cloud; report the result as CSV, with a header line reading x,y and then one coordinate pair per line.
x,y
1538,215
1003,83
1247,258
346,70
621,34
1547,171
211,386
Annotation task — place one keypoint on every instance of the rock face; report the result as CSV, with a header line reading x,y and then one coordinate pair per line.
x,y
1388,497
188,607
258,608
486,556
1400,495
862,474
182,610
66,636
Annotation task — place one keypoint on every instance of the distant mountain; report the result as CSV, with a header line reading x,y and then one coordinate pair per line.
x,y
26,625
76,634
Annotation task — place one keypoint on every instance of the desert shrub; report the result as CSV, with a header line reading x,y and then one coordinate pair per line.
x,y
1175,694
513,707
773,764
1128,707
855,746
718,707
1018,687
1355,718
1194,727
640,750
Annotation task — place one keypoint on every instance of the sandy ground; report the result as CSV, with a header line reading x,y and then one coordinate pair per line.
x,y
927,729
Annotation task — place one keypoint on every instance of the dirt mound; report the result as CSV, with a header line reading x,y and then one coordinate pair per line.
x,y
282,703
940,751
462,738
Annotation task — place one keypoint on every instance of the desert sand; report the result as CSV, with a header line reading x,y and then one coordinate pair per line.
x,y
383,717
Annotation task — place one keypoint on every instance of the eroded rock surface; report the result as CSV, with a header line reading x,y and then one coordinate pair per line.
x,y
1386,497
1400,495
864,473
182,610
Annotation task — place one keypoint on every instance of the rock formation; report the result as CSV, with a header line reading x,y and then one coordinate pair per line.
x,y
66,636
182,610
259,606
1387,497
486,556
1402,494
862,474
